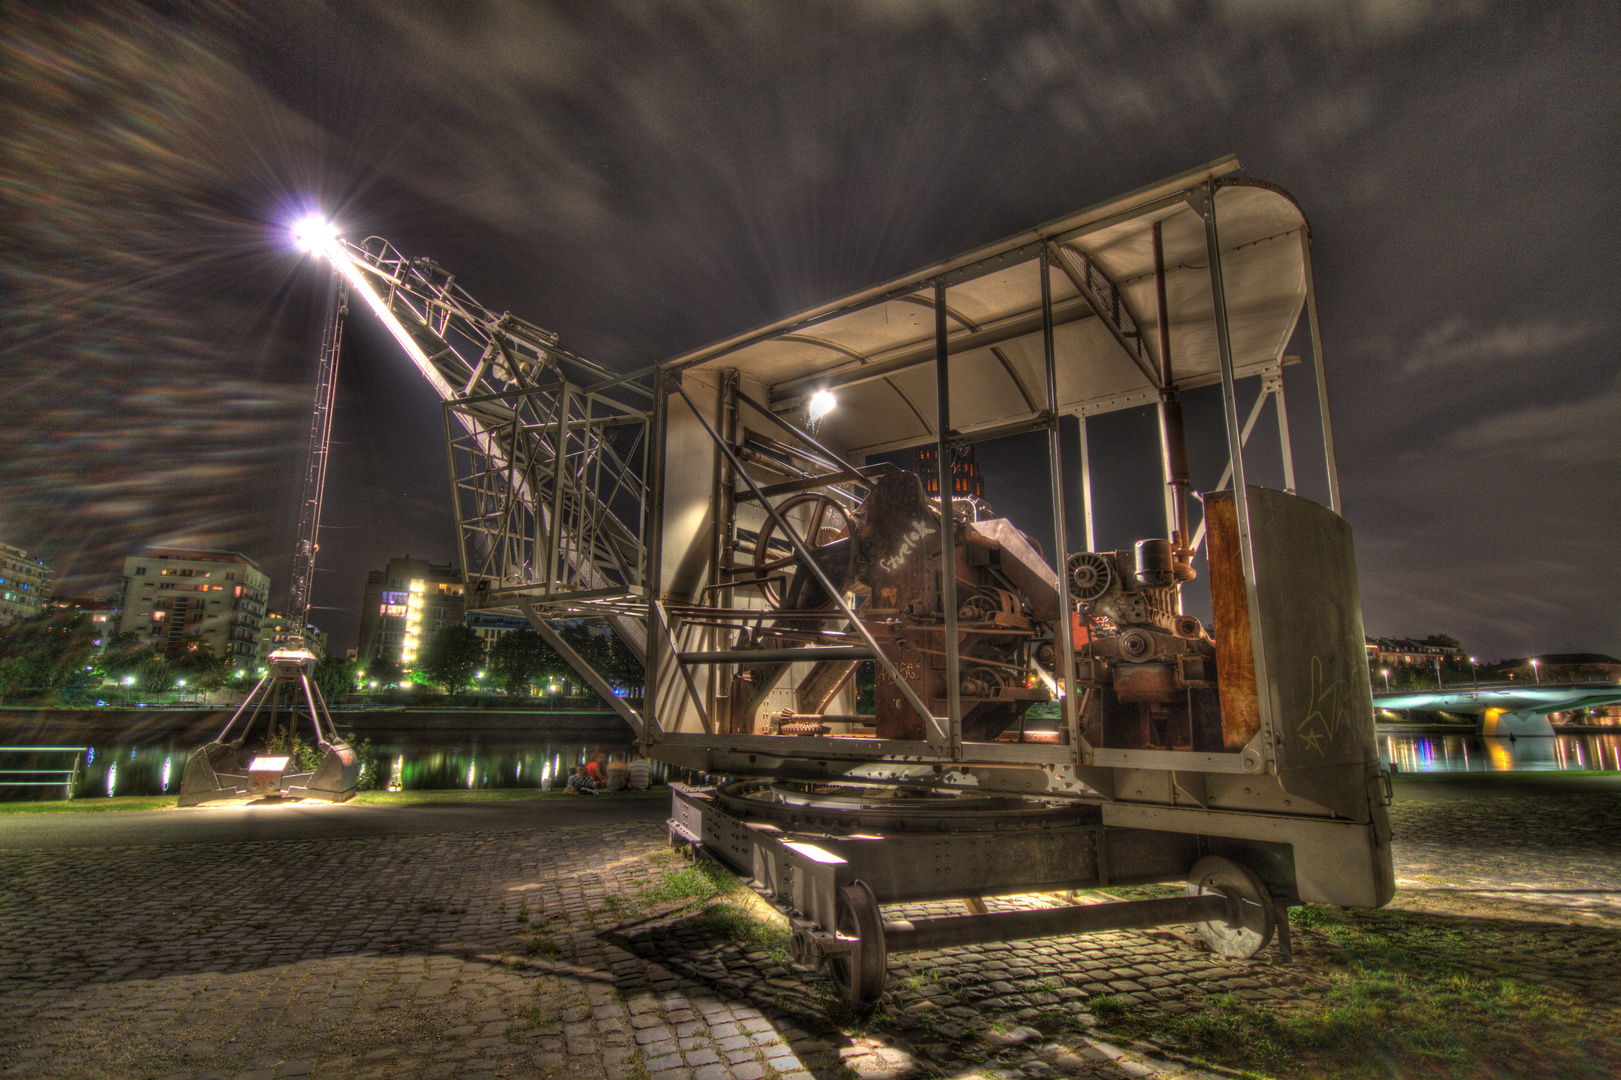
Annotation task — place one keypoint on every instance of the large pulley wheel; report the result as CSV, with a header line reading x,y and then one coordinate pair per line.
x,y
816,519
1252,921
859,973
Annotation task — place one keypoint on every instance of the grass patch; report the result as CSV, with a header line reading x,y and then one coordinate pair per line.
x,y
530,1017
743,924
1143,892
364,798
704,881
737,915
454,795
91,805
1400,1001
731,912
541,945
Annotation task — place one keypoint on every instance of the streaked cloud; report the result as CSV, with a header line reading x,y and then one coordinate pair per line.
x,y
1456,344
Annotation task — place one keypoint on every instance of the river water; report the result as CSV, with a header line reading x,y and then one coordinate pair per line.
x,y
475,760
1477,754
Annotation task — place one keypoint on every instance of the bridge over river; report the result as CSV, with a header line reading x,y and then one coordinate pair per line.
x,y
1513,708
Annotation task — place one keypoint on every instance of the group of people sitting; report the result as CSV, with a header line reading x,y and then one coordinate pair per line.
x,y
601,774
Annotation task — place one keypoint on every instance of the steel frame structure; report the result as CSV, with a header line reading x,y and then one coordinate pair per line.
x,y
1301,800
548,452
640,498
312,495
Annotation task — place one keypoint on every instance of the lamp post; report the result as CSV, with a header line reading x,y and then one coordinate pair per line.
x,y
1386,673
1536,669
1438,684
1474,674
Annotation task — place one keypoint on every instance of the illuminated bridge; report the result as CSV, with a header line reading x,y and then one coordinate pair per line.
x,y
1506,708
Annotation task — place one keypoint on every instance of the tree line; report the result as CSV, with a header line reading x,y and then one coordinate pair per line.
x,y
55,658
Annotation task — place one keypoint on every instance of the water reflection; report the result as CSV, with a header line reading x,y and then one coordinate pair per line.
x,y
155,769
1476,753
544,764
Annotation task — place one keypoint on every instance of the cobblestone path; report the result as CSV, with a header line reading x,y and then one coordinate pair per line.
x,y
1553,859
527,954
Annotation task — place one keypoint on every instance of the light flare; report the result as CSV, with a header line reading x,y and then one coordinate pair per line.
x,y
312,232
821,403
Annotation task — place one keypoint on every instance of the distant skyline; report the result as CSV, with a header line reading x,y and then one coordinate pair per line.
x,y
645,177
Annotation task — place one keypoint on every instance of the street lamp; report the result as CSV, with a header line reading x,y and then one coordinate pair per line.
x,y
1386,673
1437,664
1536,669
1474,674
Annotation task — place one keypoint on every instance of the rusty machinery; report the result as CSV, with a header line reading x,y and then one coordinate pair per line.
x,y
732,511
1238,757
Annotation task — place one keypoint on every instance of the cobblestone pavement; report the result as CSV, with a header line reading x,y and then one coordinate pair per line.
x,y
1554,859
528,954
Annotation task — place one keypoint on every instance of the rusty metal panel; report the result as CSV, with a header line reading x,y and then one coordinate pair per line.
x,y
1235,655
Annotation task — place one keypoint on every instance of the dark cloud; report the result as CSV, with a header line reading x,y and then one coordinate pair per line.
x,y
645,176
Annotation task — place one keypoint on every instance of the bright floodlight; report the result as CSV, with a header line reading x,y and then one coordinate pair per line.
x,y
821,403
313,232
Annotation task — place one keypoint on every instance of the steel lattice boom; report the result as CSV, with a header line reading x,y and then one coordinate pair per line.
x,y
309,504
548,451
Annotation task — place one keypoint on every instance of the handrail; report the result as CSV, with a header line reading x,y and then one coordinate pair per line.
x,y
67,778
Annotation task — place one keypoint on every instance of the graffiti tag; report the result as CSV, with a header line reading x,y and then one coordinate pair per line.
x,y
1328,713
909,543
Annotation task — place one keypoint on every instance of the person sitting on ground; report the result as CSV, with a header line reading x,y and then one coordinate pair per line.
x,y
579,783
616,774
593,769
638,772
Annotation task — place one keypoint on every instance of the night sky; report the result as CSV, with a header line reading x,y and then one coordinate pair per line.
x,y
646,177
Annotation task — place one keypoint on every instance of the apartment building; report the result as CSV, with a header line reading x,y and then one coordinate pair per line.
x,y
23,582
174,596
404,604
277,633
102,611
491,627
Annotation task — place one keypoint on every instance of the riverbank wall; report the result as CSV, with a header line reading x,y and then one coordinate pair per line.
x,y
195,726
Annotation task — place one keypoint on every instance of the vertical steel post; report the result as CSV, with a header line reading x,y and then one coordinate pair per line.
x,y
1055,465
554,558
720,678
1086,487
1283,436
1205,203
948,522
456,496
657,643
1317,369
1173,437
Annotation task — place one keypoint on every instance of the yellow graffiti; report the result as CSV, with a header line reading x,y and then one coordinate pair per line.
x,y
1328,712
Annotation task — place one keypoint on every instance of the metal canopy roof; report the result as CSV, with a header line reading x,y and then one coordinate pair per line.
x,y
875,350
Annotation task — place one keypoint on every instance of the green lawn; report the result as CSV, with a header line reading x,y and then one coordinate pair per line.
x,y
1399,998
90,805
414,798
365,798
